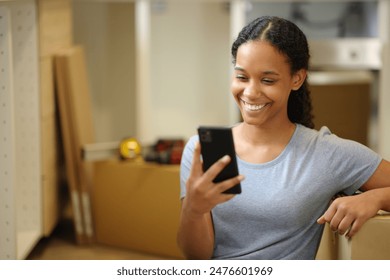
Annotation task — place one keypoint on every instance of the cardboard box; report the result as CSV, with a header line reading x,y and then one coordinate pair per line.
x,y
137,206
372,242
327,249
343,108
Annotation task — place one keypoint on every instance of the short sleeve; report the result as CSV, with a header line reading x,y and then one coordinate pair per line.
x,y
186,162
352,163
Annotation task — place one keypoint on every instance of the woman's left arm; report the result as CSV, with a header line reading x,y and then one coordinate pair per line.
x,y
348,214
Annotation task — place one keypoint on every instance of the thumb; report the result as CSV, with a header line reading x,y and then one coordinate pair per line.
x,y
196,167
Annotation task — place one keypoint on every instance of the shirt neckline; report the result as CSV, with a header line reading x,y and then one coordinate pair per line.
x,y
276,160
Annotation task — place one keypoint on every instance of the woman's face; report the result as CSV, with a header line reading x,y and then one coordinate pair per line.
x,y
262,83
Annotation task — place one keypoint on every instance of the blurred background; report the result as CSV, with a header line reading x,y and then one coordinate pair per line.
x,y
98,98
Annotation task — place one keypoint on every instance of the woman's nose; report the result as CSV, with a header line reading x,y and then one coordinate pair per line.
x,y
252,90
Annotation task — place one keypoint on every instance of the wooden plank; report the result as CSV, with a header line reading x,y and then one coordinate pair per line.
x,y
66,131
50,152
78,126
55,25
50,163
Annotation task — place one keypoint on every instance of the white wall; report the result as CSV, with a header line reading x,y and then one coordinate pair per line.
x,y
190,66
189,75
106,30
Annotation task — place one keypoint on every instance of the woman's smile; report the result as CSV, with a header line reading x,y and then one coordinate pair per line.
x,y
251,107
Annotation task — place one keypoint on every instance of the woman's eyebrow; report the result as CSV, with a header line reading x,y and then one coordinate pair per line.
x,y
270,72
266,72
239,68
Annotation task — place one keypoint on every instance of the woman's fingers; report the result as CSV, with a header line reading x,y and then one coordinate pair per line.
x,y
356,225
346,215
344,225
217,167
337,219
229,183
203,193
328,215
213,171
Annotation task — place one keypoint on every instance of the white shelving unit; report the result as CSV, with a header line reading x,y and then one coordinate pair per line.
x,y
20,182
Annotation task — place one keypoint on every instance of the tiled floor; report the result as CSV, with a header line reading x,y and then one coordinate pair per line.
x,y
62,246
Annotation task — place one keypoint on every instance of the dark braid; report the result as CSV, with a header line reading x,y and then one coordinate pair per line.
x,y
290,41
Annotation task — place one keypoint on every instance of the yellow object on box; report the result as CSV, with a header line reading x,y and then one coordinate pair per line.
x,y
130,148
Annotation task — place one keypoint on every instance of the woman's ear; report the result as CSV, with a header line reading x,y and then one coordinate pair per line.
x,y
298,79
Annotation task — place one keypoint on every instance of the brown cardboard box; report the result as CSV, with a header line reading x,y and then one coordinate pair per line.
x,y
137,206
328,245
372,242
343,108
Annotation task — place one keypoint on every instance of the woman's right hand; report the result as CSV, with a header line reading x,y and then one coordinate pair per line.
x,y
202,194
196,232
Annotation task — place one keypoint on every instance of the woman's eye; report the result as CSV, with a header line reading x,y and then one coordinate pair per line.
x,y
241,77
268,81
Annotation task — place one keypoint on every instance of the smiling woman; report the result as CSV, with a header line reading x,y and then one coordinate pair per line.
x,y
288,45
262,89
291,171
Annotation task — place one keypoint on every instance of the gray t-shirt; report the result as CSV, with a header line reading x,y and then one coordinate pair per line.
x,y
275,215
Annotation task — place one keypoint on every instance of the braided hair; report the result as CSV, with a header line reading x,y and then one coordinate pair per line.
x,y
289,40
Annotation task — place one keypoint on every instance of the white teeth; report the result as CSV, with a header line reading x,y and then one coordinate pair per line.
x,y
253,107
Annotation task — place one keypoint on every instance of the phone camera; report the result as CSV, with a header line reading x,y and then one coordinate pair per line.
x,y
205,136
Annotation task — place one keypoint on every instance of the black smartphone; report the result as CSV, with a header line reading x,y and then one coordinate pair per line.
x,y
216,142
